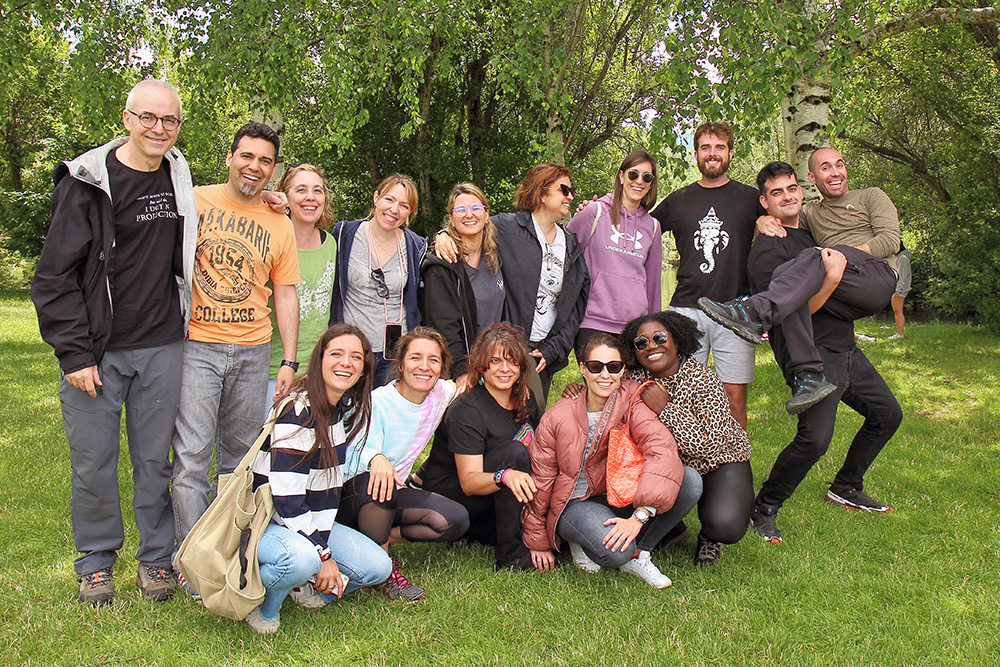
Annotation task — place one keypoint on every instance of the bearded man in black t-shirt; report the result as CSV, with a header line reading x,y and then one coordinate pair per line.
x,y
857,383
113,291
713,222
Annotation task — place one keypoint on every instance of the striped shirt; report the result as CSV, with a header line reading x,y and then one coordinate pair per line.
x,y
306,495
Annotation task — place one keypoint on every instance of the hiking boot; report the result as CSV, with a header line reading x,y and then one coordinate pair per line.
x,y
706,552
157,583
260,625
853,499
738,315
399,589
582,560
808,389
641,565
307,596
186,587
763,522
97,588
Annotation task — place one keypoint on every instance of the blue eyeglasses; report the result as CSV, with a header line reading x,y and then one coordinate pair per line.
x,y
475,208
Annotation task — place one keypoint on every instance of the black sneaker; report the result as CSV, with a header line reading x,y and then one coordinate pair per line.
x,y
763,522
97,588
853,499
707,551
808,389
676,534
737,315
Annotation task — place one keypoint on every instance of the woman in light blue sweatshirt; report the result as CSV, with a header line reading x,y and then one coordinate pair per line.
x,y
622,248
405,414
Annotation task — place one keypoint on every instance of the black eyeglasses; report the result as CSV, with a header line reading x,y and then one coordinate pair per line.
x,y
633,174
380,287
659,338
148,120
567,190
614,367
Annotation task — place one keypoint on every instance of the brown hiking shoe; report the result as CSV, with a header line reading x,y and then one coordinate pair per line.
x,y
97,588
157,583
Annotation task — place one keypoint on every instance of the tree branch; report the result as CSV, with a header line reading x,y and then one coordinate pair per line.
x,y
916,164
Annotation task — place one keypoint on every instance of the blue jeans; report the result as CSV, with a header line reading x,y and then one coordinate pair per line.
x,y
582,522
222,389
288,559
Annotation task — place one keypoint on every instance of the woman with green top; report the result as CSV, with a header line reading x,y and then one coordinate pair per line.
x,y
309,210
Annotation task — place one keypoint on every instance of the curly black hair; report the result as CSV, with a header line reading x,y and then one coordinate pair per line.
x,y
682,328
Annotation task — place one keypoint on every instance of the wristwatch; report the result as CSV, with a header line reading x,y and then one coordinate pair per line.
x,y
644,514
294,365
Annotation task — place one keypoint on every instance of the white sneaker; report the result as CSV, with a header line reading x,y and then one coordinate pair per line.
x,y
642,566
261,625
867,339
582,560
896,336
307,596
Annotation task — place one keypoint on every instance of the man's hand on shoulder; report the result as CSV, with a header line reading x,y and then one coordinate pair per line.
x,y
583,203
768,225
276,199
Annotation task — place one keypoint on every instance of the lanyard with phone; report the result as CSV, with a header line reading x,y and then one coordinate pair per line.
x,y
393,330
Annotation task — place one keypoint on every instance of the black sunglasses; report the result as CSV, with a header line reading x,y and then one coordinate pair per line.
x,y
567,190
633,174
659,338
614,367
380,287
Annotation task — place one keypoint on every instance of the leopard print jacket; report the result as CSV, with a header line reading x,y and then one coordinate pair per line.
x,y
698,415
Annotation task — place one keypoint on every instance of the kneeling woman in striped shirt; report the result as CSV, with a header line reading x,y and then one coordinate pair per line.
x,y
304,552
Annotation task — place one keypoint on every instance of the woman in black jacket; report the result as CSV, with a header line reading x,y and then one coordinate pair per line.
x,y
460,299
545,276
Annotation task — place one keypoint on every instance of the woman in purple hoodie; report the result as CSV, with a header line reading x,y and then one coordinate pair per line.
x,y
622,248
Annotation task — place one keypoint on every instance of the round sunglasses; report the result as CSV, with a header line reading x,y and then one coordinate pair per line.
x,y
633,175
658,338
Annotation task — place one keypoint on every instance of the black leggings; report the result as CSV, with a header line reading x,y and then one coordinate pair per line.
x,y
421,516
726,502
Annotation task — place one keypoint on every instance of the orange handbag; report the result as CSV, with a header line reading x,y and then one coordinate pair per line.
x,y
624,458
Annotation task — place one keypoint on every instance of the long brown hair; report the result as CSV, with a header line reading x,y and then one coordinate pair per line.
x,y
491,251
505,340
321,412
632,159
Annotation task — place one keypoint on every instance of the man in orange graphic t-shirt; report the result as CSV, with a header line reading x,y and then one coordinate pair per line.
x,y
242,246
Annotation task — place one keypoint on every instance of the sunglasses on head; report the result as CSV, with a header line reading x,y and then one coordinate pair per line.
x,y
614,367
633,175
659,338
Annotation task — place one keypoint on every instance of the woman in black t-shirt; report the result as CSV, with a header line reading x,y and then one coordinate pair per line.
x,y
480,457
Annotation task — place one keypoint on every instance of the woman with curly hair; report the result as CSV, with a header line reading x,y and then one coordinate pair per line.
x,y
691,402
480,453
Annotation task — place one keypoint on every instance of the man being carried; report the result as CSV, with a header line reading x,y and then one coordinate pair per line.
x,y
713,221
858,384
863,225
113,294
242,244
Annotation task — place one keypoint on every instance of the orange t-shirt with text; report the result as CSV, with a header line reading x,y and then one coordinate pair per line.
x,y
239,249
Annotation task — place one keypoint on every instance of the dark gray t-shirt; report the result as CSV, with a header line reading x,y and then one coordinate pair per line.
x,y
363,307
489,290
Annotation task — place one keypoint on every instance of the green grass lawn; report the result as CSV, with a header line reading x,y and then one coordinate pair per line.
x,y
918,587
